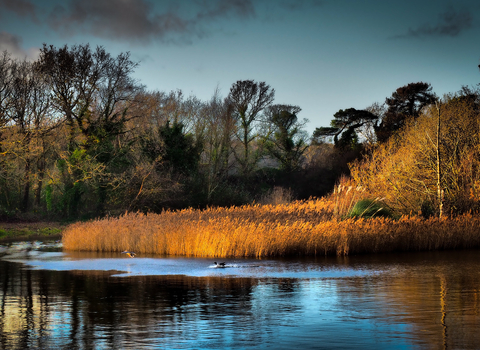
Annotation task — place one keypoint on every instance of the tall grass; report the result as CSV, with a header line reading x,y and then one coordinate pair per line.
x,y
300,228
345,195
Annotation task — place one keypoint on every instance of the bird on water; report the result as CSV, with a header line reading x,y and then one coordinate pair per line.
x,y
222,264
129,254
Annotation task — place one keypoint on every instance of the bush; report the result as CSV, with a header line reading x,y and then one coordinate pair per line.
x,y
368,208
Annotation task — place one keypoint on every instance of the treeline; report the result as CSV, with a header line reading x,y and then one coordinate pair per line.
x,y
80,137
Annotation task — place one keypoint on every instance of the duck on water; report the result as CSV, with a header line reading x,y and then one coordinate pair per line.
x,y
222,264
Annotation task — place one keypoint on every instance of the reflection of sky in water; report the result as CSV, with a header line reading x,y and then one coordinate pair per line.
x,y
304,293
41,256
362,302
316,309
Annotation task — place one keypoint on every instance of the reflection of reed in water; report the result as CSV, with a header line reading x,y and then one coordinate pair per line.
x,y
87,304
436,294
443,304
415,299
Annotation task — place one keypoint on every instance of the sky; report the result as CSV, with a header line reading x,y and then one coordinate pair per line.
x,y
321,55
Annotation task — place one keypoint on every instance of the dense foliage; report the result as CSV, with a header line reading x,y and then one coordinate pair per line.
x,y
80,137
432,164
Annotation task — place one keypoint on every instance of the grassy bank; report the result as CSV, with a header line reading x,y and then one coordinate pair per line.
x,y
297,229
17,231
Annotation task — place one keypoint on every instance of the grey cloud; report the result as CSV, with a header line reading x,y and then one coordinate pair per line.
x,y
451,23
22,8
130,19
136,21
13,44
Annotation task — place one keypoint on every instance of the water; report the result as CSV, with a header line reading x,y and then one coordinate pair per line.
x,y
51,299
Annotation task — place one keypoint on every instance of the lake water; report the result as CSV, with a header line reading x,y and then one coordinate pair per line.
x,y
51,299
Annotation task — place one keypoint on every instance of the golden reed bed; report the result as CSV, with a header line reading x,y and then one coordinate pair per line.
x,y
303,228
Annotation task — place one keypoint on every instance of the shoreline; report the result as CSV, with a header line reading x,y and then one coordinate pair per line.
x,y
30,231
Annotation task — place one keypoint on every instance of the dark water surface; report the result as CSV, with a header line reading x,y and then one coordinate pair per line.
x,y
51,299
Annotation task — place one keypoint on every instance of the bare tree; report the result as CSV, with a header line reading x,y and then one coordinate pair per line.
x,y
74,75
90,87
5,102
220,128
439,163
248,99
94,92
30,107
5,87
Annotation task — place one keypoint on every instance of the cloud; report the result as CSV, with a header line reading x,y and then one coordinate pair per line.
x,y
137,21
22,8
451,23
13,44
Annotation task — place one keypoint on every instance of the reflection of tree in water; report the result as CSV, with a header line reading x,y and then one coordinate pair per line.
x,y
434,301
436,295
86,306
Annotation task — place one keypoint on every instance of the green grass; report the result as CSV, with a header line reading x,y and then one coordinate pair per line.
x,y
27,232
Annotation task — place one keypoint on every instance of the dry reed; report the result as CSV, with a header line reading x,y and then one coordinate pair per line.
x,y
300,228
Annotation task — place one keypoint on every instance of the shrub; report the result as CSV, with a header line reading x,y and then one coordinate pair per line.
x,y
369,208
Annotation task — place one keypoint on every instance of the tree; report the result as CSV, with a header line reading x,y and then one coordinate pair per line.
x,y
248,99
5,101
74,75
5,87
171,150
29,110
439,165
216,159
406,102
25,126
287,142
93,91
345,124
170,162
91,88
432,164
179,151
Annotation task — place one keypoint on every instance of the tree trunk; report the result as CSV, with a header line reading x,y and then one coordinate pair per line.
x,y
41,175
246,150
439,171
26,187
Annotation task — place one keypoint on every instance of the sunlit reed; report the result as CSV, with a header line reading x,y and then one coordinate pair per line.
x,y
302,228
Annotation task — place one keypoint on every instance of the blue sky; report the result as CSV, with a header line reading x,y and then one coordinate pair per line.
x,y
322,55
